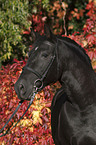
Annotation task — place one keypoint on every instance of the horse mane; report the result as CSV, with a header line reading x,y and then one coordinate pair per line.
x,y
76,48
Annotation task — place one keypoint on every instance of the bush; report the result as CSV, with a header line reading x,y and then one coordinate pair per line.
x,y
13,19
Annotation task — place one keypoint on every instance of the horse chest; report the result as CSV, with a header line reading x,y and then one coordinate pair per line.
x,y
75,125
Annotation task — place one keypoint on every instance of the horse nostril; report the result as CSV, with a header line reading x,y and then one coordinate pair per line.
x,y
22,89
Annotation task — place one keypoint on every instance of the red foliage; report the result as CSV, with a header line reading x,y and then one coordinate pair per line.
x,y
38,23
35,127
90,26
77,13
88,38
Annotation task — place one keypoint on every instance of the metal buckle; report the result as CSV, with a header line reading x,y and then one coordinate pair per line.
x,y
41,86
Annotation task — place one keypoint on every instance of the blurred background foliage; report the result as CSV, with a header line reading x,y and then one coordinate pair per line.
x,y
16,16
13,20
73,18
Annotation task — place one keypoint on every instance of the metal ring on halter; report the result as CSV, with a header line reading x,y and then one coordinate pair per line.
x,y
41,86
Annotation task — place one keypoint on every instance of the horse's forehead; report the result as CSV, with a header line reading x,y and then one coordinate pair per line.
x,y
48,43
43,40
39,45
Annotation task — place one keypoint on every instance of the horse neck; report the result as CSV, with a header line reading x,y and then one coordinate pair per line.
x,y
78,78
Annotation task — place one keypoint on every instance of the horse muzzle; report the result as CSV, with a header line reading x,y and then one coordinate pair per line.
x,y
21,90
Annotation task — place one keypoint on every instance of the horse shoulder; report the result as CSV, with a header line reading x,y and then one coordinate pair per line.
x,y
69,122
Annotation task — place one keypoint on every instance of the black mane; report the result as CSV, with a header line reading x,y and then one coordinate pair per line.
x,y
76,48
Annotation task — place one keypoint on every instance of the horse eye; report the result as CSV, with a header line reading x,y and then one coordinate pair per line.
x,y
44,54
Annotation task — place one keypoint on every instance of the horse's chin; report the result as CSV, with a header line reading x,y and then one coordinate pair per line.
x,y
27,96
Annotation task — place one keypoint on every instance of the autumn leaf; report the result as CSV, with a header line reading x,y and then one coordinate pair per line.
x,y
91,38
94,64
26,122
36,117
89,5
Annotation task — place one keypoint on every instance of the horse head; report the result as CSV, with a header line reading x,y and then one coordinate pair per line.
x,y
41,68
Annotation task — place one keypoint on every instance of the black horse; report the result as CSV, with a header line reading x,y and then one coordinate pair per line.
x,y
74,105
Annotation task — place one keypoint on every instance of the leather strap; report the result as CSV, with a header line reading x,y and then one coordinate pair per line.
x,y
20,103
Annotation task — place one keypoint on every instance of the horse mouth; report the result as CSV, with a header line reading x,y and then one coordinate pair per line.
x,y
30,96
25,96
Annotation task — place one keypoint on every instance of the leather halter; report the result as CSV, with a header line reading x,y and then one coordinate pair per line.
x,y
35,91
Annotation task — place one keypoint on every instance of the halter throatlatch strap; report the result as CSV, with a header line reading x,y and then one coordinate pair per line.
x,y
32,98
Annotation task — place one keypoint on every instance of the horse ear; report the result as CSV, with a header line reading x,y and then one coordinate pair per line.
x,y
47,31
34,34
